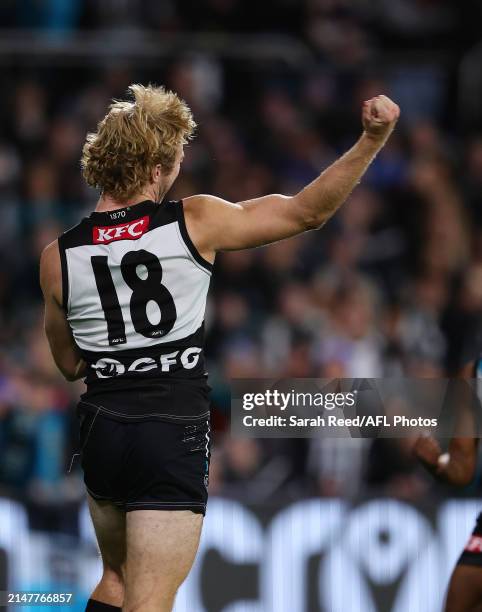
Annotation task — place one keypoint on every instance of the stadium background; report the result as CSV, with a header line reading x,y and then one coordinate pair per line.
x,y
392,286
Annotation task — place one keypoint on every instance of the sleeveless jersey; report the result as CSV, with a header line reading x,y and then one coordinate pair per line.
x,y
134,291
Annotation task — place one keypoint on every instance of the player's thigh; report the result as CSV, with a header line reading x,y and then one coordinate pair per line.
x,y
465,589
110,529
161,547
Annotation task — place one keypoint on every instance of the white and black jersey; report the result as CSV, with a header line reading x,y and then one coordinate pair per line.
x,y
134,291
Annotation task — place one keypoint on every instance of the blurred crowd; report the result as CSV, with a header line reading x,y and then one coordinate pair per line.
x,y
391,286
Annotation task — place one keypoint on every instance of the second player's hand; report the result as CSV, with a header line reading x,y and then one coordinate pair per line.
x,y
379,117
428,451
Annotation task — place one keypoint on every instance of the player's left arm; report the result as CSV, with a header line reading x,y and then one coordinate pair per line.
x,y
65,352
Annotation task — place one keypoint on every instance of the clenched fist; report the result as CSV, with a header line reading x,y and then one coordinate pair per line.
x,y
379,117
428,451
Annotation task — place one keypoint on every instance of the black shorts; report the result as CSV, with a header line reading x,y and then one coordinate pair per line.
x,y
146,465
472,553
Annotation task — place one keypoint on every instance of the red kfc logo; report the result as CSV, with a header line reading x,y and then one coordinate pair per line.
x,y
125,231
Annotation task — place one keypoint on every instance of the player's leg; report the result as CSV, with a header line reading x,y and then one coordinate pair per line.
x,y
110,529
161,547
465,589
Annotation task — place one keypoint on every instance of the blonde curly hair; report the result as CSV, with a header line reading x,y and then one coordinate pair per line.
x,y
133,138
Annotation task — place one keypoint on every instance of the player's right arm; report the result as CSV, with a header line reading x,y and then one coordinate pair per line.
x,y
216,225
457,465
62,345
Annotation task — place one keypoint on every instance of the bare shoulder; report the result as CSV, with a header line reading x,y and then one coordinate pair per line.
x,y
200,206
50,269
207,217
50,258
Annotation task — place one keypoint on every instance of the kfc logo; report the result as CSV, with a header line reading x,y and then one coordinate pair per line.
x,y
125,231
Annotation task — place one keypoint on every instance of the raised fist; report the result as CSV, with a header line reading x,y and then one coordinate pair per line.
x,y
379,117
